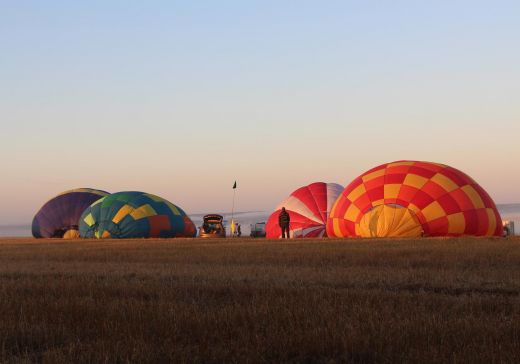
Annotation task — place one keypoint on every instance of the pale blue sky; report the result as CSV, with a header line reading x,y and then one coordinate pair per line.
x,y
182,98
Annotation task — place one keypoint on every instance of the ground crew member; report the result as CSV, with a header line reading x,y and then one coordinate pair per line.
x,y
283,221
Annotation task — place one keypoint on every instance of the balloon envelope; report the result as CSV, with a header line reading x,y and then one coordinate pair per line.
x,y
135,215
308,208
413,198
59,217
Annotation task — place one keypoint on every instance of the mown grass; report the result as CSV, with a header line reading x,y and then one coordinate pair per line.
x,y
215,301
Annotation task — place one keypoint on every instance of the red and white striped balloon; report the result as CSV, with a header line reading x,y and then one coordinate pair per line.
x,y
308,207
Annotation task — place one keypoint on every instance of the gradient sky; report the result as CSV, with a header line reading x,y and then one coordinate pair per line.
x,y
180,98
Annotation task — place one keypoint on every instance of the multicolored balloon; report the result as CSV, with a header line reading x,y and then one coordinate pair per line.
x,y
59,217
135,215
412,198
308,208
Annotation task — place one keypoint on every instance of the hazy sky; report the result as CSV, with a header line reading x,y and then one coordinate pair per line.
x,y
180,98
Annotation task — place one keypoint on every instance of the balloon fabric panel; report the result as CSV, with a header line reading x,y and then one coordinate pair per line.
x,y
308,208
135,215
62,213
444,200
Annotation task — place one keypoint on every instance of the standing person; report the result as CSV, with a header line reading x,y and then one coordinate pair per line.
x,y
239,230
283,221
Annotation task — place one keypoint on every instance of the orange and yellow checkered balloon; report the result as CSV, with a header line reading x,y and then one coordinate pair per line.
x,y
412,198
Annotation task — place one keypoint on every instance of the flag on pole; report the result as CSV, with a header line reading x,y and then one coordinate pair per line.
x,y
232,210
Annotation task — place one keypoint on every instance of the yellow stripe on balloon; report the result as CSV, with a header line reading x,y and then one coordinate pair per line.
x,y
123,211
89,220
174,208
98,201
397,164
408,225
473,196
433,211
356,192
357,229
389,221
414,180
445,182
456,223
154,197
143,211
71,234
352,213
392,190
492,221
375,174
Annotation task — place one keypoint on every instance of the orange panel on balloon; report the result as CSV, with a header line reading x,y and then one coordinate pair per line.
x,y
457,223
356,192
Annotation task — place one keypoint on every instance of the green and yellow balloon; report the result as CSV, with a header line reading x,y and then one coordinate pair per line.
x,y
135,214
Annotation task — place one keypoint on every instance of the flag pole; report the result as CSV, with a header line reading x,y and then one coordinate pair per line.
x,y
233,210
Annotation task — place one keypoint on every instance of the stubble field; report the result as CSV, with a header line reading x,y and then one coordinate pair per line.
x,y
215,301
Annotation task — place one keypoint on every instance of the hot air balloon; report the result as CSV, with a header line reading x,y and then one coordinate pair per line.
x,y
135,215
59,217
412,198
308,208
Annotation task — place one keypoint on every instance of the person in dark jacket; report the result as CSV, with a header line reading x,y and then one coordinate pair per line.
x,y
283,221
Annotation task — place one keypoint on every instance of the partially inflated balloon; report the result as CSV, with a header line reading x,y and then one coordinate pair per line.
x,y
412,198
135,215
308,208
59,217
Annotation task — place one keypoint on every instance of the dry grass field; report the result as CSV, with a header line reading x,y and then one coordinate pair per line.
x,y
230,301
